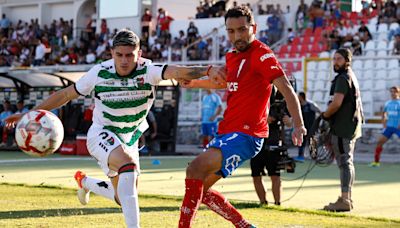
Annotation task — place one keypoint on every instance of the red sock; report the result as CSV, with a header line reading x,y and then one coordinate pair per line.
x,y
191,202
217,202
205,142
378,152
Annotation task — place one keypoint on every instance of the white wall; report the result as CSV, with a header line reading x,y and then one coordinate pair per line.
x,y
64,10
132,23
24,13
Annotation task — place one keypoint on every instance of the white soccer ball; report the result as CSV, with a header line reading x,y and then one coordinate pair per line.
x,y
39,133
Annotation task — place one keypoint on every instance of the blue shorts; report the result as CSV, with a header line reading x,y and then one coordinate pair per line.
x,y
389,131
209,129
236,148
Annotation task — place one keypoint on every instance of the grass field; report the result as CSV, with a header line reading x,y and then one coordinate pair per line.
x,y
376,194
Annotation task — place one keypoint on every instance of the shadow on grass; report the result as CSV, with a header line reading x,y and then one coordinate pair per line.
x,y
56,212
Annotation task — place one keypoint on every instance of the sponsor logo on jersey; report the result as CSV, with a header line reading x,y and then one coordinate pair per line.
x,y
233,86
266,56
110,141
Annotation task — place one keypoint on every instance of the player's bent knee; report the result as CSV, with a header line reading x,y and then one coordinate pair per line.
x,y
129,167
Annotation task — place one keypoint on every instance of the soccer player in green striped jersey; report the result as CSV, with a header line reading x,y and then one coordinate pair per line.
x,y
124,91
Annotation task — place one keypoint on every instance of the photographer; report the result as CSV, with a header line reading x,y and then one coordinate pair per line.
x,y
268,158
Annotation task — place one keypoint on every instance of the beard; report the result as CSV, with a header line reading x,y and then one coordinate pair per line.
x,y
339,69
241,45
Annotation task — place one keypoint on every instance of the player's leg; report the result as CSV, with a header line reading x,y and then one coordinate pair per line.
x,y
257,166
88,184
203,165
218,159
126,188
276,188
387,133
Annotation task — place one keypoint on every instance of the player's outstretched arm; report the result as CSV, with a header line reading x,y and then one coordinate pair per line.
x,y
56,100
215,73
293,106
203,84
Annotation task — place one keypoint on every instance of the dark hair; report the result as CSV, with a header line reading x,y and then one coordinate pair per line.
x,y
240,11
303,95
125,37
346,53
397,88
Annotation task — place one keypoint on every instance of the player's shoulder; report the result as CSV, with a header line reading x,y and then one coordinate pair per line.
x,y
107,65
143,63
262,52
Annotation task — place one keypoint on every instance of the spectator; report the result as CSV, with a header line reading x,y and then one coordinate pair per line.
x,y
291,35
278,10
273,23
103,29
396,47
200,13
364,33
211,107
316,15
309,110
356,46
146,23
260,10
4,25
192,32
21,107
7,134
90,57
263,37
164,20
40,51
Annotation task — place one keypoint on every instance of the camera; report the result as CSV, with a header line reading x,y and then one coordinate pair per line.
x,y
278,110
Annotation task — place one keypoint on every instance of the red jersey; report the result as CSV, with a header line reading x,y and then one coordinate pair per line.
x,y
249,84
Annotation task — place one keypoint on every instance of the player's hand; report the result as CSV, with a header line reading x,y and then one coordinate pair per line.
x,y
184,83
298,134
271,119
217,75
12,120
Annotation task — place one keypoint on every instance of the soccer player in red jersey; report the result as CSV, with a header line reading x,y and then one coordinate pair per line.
x,y
251,71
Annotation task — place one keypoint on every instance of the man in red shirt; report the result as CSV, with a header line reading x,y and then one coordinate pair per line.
x,y
251,71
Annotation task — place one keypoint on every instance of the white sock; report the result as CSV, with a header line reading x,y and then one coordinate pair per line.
x,y
128,197
99,187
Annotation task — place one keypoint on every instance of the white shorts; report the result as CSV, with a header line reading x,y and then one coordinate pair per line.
x,y
101,142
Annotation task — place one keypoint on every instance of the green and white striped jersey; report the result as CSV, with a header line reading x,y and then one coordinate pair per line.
x,y
121,103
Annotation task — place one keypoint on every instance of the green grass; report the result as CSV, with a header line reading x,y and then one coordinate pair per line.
x,y
53,203
44,206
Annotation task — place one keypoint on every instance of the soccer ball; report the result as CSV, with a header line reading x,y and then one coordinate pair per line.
x,y
39,133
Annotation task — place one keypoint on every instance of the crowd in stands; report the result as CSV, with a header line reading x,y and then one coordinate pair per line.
x,y
332,27
31,44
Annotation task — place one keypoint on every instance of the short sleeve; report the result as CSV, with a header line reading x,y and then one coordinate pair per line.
x,y
86,83
268,66
218,100
155,73
341,86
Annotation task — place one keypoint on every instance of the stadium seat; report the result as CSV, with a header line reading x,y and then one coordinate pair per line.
x,y
381,74
311,76
382,45
393,64
357,65
318,97
382,35
379,85
369,64
367,100
312,65
394,74
324,54
284,49
370,53
381,53
367,85
293,48
370,45
381,64
310,86
394,26
367,75
307,40
320,86
308,32
324,65
372,28
383,27
391,45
